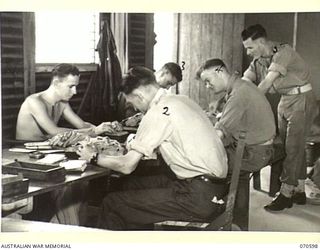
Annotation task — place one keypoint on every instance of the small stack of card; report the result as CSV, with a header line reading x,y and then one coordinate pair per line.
x,y
50,159
74,165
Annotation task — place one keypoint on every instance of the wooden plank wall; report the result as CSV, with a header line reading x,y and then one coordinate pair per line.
x,y
12,70
308,42
140,39
205,36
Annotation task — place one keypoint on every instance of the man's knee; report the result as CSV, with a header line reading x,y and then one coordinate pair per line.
x,y
109,217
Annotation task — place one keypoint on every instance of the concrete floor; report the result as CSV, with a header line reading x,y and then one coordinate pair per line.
x,y
299,218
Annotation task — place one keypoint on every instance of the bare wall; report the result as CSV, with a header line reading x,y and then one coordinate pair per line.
x,y
204,36
308,45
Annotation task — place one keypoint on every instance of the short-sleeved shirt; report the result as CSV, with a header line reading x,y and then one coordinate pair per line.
x,y
27,127
292,68
185,137
247,109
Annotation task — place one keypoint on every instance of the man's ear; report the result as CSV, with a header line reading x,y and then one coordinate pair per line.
x,y
55,81
138,92
166,72
262,40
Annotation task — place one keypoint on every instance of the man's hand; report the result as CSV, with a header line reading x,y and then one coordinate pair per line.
x,y
67,138
109,127
86,150
264,86
104,127
88,125
220,133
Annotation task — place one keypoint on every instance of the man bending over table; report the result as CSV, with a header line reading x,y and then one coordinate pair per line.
x,y
199,162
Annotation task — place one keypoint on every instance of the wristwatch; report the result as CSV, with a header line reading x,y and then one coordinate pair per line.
x,y
94,158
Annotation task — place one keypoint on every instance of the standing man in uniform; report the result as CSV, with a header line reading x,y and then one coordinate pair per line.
x,y
276,67
199,162
246,109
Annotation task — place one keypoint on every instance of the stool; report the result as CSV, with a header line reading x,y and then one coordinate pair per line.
x,y
276,170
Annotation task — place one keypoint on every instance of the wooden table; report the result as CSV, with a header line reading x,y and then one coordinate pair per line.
x,y
38,187
15,225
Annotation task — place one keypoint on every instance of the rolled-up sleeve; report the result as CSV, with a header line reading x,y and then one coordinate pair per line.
x,y
250,73
154,128
280,61
231,115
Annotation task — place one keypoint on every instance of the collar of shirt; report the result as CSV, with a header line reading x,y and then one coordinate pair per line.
x,y
266,61
231,81
160,93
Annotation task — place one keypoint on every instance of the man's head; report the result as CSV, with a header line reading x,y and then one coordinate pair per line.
x,y
65,79
254,40
169,75
211,73
139,86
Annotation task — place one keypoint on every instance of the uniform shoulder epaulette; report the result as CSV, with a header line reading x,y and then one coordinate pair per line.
x,y
279,46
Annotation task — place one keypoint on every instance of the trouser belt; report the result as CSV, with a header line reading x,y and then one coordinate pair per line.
x,y
299,89
209,178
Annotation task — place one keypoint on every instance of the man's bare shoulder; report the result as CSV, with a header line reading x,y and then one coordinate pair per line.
x,y
34,101
34,97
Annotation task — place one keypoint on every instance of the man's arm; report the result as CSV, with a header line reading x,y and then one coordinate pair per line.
x,y
124,164
231,116
74,119
266,84
249,76
39,113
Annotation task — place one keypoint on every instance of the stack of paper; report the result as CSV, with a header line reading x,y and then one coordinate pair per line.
x,y
74,165
51,159
38,145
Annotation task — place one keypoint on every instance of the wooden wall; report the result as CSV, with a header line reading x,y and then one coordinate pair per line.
x,y
204,36
12,70
308,45
140,39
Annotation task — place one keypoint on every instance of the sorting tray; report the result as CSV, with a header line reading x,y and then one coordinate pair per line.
x,y
119,136
15,187
34,171
130,129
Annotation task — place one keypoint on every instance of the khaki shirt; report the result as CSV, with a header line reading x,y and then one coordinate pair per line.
x,y
247,109
184,135
292,68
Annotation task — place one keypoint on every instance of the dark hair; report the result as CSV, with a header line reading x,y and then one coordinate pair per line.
x,y
174,69
137,76
209,64
254,31
64,69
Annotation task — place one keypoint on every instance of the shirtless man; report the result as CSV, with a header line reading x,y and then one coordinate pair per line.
x,y
37,120
40,112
